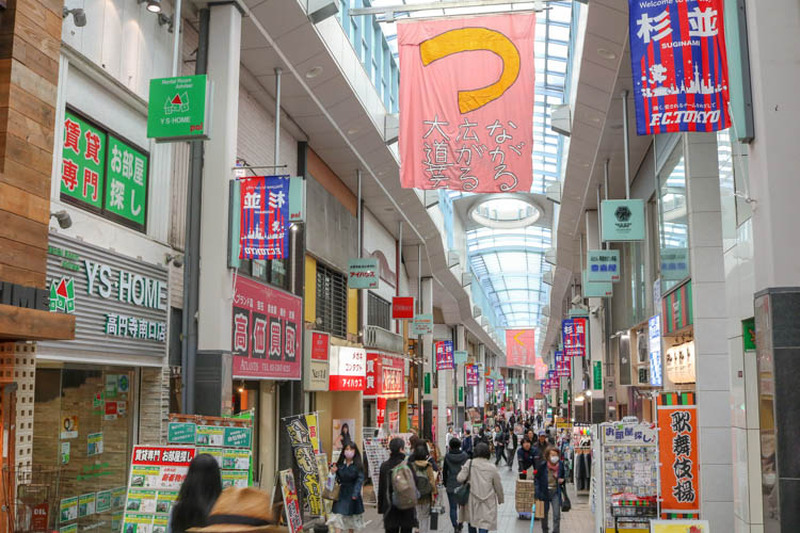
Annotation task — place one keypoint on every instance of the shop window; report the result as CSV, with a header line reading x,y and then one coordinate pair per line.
x,y
83,429
379,312
734,183
103,173
673,220
274,271
331,301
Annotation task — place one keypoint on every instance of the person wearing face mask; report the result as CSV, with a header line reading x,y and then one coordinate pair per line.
x,y
547,485
348,510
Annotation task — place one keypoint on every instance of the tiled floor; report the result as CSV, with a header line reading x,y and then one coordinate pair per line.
x,y
578,520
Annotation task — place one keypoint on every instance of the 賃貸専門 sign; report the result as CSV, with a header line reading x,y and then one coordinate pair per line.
x,y
521,347
316,348
462,128
444,355
178,108
120,303
680,66
422,325
573,332
264,219
265,332
348,369
403,307
603,265
622,220
678,453
385,376
102,173
363,273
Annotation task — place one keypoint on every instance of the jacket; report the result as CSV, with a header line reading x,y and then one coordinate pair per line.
x,y
540,482
466,445
526,459
350,478
452,466
425,464
485,493
393,518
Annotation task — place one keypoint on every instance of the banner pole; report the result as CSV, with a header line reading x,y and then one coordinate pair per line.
x,y
627,144
276,156
600,211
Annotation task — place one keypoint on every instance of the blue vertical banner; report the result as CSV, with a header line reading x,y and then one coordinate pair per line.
x,y
680,65
445,359
573,336
264,227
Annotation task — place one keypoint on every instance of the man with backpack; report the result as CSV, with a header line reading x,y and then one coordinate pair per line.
x,y
453,462
425,479
397,491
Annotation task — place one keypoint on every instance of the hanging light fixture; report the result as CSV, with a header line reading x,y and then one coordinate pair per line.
x,y
153,6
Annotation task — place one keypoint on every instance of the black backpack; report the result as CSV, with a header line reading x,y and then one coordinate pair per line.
x,y
423,483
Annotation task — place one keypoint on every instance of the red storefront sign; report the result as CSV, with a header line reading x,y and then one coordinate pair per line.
x,y
385,376
319,346
402,307
381,414
348,369
265,337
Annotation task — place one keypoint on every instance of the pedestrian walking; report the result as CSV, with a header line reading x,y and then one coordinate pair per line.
x,y
425,478
453,462
547,485
526,459
348,511
397,508
541,448
512,450
466,444
485,491
499,445
199,491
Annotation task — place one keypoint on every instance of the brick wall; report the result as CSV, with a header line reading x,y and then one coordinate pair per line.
x,y
153,405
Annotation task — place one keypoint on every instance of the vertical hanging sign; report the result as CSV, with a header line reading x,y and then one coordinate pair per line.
x,y
444,355
521,347
680,66
264,225
467,117
472,375
573,331
680,469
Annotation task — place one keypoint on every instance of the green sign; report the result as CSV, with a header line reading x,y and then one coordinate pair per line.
x,y
596,289
460,394
238,437
597,371
178,108
566,397
749,334
674,263
460,356
422,325
181,432
623,220
602,265
102,173
427,383
363,274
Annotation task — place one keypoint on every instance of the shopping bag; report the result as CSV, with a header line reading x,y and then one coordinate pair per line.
x,y
434,518
566,504
331,489
539,509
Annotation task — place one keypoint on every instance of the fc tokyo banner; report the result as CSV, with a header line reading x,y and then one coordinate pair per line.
x,y
263,229
466,103
573,331
444,355
472,375
680,65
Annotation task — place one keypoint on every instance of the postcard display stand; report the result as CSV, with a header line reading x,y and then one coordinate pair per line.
x,y
626,459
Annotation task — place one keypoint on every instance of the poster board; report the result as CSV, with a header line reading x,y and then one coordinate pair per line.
x,y
157,473
377,453
679,526
291,503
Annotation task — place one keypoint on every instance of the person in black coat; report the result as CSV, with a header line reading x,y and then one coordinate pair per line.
x,y
466,444
547,485
347,511
394,520
526,458
453,462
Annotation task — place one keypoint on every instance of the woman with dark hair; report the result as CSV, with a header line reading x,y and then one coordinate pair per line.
x,y
395,520
344,438
424,475
199,492
348,509
485,491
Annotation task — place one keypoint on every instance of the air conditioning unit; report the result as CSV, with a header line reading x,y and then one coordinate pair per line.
x,y
380,339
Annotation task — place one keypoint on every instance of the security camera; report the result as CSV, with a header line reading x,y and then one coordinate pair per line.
x,y
78,15
176,260
63,219
577,300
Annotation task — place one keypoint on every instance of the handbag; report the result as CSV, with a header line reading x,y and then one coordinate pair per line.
x,y
462,492
566,504
331,489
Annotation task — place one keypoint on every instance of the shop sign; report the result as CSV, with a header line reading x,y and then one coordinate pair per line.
x,y
237,437
181,432
394,422
460,356
264,217
316,348
25,297
680,363
426,386
472,375
402,307
444,355
521,347
178,108
381,411
602,265
120,304
348,369
501,385
623,220
749,334
678,452
674,263
363,274
597,375
102,173
631,434
657,293
654,343
422,325
489,386
596,289
573,334
676,308
264,332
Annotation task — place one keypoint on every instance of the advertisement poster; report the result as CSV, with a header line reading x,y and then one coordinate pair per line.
x,y
343,429
305,444
680,66
291,504
157,473
678,452
69,427
459,129
94,444
521,347
573,332
679,526
444,355
264,225
265,332
348,369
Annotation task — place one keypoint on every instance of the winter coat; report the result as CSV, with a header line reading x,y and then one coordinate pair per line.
x,y
485,493
540,482
526,459
466,445
424,464
393,517
350,478
452,466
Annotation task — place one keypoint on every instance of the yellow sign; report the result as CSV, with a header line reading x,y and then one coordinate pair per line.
x,y
679,526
